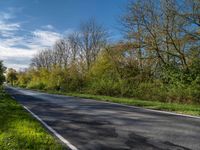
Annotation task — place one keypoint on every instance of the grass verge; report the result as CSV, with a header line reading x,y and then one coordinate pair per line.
x,y
188,109
20,131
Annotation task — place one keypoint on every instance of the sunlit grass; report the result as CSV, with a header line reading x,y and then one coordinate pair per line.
x,y
189,109
20,131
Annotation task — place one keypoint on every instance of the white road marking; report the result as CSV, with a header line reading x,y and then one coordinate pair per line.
x,y
132,106
72,147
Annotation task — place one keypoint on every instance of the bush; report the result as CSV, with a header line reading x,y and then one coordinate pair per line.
x,y
40,85
105,86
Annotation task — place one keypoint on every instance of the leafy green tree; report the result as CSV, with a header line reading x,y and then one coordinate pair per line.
x,y
11,76
2,70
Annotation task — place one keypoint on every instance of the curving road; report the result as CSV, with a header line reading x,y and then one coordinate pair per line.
x,y
94,125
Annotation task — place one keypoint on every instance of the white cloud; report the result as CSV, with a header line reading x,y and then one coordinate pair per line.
x,y
6,15
5,24
12,50
16,66
9,26
68,31
17,45
48,27
13,57
17,50
9,42
45,37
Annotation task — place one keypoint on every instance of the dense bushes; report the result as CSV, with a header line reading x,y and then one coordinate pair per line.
x,y
106,84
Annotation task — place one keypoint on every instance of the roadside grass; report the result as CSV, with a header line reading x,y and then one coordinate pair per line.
x,y
20,131
188,109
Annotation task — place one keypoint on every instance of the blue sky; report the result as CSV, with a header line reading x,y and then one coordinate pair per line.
x,y
27,26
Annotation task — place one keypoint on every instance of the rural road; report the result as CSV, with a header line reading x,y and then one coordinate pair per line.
x,y
93,125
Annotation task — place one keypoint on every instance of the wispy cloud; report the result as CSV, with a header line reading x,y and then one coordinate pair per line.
x,y
6,27
17,46
45,37
9,26
6,15
48,27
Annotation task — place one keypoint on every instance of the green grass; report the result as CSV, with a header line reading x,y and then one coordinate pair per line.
x,y
189,109
20,131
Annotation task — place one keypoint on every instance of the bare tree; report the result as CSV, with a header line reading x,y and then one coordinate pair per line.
x,y
93,38
74,44
61,53
160,31
43,59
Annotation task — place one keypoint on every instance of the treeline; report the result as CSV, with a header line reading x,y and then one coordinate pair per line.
x,y
159,58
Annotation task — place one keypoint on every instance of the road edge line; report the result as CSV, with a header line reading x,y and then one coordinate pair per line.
x,y
147,109
72,147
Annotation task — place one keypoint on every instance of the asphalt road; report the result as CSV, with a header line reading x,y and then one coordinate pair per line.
x,y
93,125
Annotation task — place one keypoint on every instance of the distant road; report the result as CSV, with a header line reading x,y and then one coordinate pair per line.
x,y
94,125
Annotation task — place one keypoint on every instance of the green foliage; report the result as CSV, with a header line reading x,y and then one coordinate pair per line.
x,y
74,80
103,77
2,70
182,85
112,74
56,76
11,76
23,79
38,79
